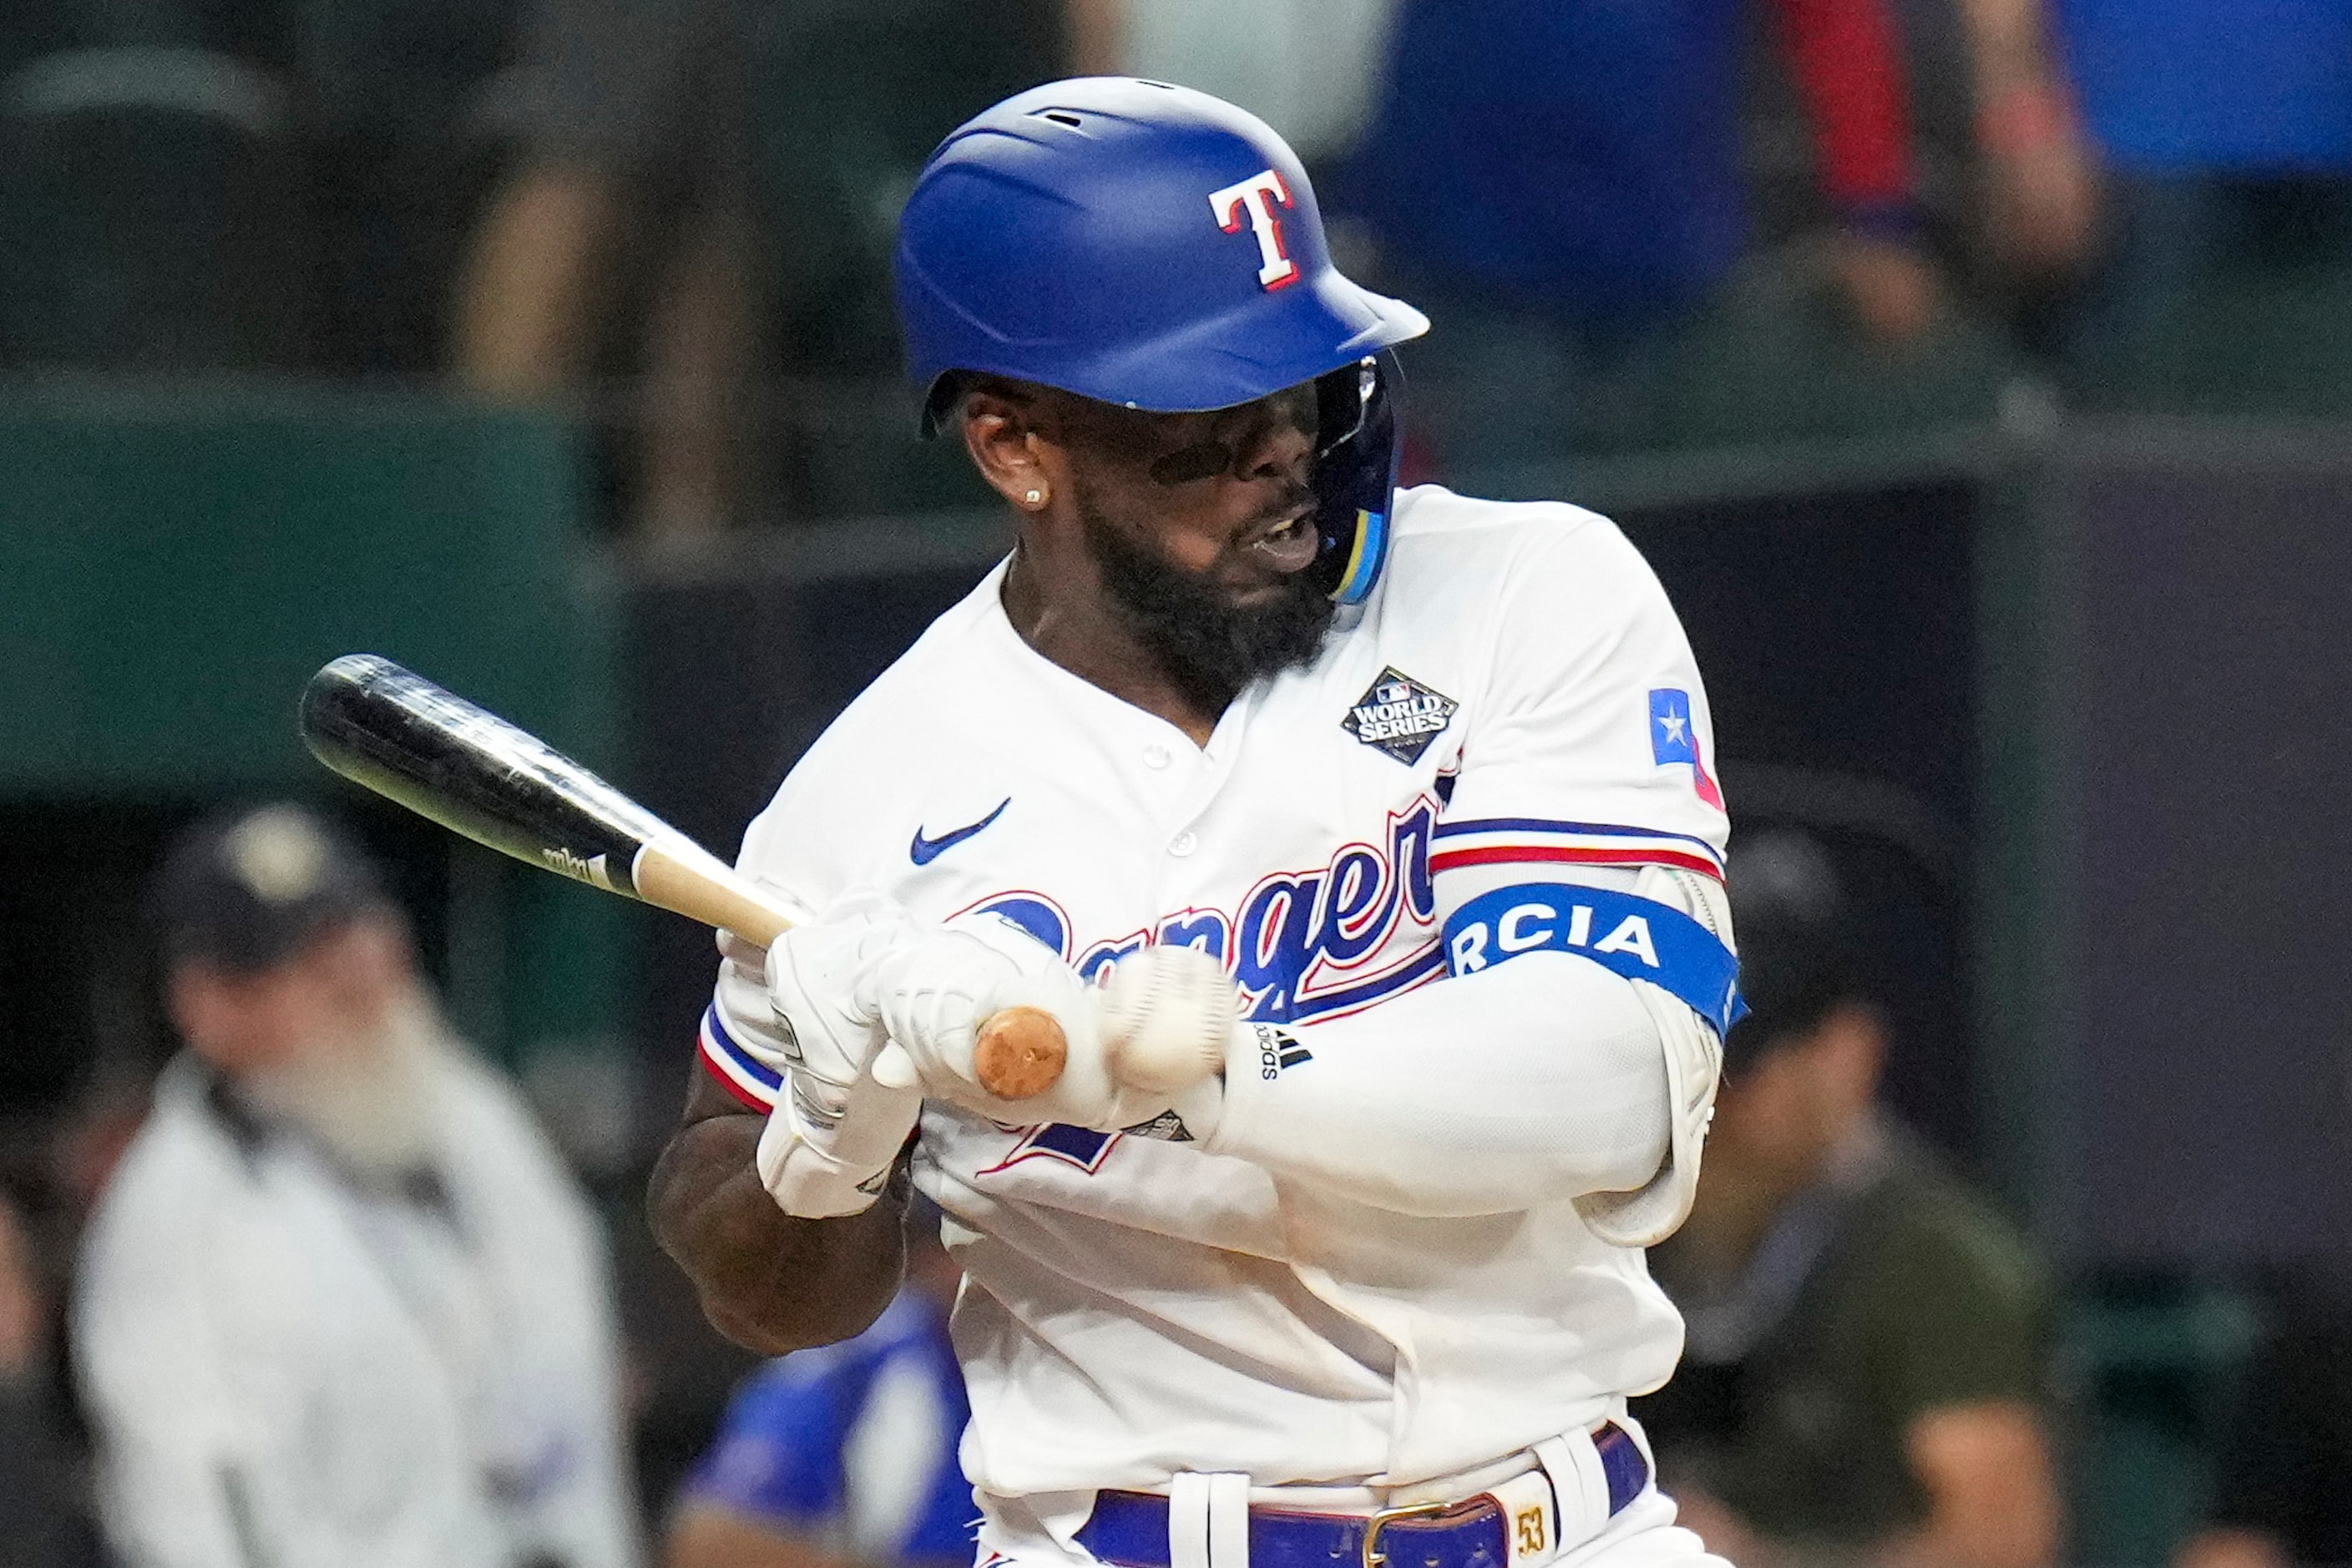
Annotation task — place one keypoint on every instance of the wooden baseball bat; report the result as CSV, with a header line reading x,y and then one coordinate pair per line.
x,y
473,772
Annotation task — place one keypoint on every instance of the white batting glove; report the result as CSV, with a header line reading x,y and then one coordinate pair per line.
x,y
820,1010
936,987
938,984
741,999
827,1151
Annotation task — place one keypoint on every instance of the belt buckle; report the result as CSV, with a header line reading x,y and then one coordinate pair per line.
x,y
1373,1557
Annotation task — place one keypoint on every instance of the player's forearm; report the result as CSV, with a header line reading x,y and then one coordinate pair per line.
x,y
768,1282
1530,1083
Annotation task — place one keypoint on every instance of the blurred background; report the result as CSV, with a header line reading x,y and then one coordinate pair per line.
x,y
1976,374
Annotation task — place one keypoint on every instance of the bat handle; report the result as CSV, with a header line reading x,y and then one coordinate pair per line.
x,y
681,875
1020,1051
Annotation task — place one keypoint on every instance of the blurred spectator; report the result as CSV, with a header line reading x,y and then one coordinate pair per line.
x,y
705,193
1307,67
1559,183
1864,1375
845,1454
2228,127
1585,157
42,1523
339,1303
2040,181
2284,1492
628,201
1567,186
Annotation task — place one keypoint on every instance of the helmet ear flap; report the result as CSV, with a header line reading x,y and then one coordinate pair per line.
x,y
1355,474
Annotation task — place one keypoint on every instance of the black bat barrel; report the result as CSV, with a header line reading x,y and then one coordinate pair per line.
x,y
441,756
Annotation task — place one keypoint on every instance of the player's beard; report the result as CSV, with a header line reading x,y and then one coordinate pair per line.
x,y
1210,646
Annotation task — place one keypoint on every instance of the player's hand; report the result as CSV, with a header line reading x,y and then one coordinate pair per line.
x,y
821,1013
937,988
741,1000
827,1151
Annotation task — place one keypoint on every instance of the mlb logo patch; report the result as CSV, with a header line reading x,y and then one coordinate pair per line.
x,y
1400,715
1674,738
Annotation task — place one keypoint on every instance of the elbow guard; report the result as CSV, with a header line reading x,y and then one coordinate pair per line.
x,y
1671,938
1693,1052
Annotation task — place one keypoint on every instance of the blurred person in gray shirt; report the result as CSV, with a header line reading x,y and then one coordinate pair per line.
x,y
340,1303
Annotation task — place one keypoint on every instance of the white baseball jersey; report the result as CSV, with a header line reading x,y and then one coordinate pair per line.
x,y
1516,692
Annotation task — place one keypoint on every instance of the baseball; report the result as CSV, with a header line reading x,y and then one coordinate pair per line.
x,y
1166,1015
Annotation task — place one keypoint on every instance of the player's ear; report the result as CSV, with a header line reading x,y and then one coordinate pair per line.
x,y
1001,431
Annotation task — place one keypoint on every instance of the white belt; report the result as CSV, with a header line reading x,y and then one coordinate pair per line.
x,y
1558,1499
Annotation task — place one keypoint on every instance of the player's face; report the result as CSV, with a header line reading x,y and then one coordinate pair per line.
x,y
1200,526
1193,530
1222,496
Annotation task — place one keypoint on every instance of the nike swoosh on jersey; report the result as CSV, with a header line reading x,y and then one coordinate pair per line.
x,y
923,852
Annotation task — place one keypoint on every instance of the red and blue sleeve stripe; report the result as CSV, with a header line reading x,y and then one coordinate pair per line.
x,y
1533,840
738,1073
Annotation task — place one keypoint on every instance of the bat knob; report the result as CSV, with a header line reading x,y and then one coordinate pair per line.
x,y
1019,1052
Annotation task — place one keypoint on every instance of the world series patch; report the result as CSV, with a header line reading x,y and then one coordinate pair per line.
x,y
1400,715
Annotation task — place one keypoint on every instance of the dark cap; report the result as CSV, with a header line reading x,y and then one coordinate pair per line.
x,y
247,891
1788,914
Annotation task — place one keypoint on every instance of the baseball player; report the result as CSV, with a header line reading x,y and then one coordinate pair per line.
x,y
1365,846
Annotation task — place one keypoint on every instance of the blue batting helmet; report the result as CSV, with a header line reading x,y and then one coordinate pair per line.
x,y
1156,247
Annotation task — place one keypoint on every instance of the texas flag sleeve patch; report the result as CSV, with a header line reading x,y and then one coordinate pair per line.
x,y
1674,738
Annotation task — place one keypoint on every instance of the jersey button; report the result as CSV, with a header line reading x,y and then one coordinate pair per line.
x,y
1155,756
1184,843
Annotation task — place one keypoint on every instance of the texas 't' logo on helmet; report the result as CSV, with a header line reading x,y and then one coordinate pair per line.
x,y
1256,197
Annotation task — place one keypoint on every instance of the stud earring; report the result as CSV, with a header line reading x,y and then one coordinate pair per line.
x,y
1037,497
